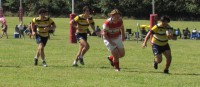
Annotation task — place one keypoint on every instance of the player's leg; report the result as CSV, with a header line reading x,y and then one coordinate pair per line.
x,y
6,34
115,54
42,46
86,47
168,56
157,54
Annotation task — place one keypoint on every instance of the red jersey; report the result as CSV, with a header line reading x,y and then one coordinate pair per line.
x,y
113,29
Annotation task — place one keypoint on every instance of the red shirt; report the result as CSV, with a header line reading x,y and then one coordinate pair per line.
x,y
113,29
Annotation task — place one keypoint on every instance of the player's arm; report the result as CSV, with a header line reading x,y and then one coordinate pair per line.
x,y
52,26
146,39
174,37
105,35
33,27
122,32
74,22
92,25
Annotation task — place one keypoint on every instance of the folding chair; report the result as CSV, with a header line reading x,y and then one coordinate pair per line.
x,y
194,35
128,34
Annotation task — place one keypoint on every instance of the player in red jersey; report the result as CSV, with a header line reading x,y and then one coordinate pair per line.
x,y
113,32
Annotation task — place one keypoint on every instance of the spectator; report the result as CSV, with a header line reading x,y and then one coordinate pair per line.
x,y
97,31
178,32
21,30
186,33
4,29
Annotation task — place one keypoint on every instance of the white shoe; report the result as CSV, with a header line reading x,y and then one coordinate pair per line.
x,y
44,64
117,70
75,63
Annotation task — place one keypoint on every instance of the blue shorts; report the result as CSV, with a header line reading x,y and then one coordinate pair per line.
x,y
40,39
80,36
157,50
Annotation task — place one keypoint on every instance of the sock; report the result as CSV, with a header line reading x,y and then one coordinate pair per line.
x,y
43,59
80,56
36,57
111,57
116,65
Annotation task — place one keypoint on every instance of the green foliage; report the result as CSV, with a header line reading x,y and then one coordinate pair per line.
x,y
139,9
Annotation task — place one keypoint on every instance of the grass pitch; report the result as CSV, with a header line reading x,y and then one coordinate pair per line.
x,y
17,65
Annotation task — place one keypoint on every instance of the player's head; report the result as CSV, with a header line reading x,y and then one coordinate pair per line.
x,y
115,14
165,19
42,11
86,10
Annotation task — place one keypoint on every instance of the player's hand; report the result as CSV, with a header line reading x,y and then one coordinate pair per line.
x,y
46,29
33,33
144,45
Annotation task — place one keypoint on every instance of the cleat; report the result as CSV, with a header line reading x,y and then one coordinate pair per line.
x,y
44,64
111,63
81,61
75,63
155,65
117,70
166,71
36,62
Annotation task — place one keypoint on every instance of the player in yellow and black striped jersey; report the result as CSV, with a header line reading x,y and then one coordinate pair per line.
x,y
81,24
40,29
159,42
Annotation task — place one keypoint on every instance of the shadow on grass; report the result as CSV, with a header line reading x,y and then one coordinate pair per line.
x,y
192,74
10,66
136,70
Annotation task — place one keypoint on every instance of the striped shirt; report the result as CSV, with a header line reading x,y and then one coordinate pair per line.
x,y
159,35
83,23
41,24
112,29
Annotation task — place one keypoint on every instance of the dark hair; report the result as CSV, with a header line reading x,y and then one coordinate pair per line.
x,y
165,18
42,10
85,8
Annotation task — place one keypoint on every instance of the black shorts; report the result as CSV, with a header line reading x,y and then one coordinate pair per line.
x,y
157,50
80,36
4,30
40,39
51,31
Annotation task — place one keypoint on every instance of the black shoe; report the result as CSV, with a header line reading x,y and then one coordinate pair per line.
x,y
166,71
81,61
44,64
111,63
36,62
155,65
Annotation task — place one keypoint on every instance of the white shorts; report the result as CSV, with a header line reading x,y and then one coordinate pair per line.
x,y
117,41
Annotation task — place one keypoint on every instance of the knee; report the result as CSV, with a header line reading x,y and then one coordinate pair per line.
x,y
159,60
87,47
41,47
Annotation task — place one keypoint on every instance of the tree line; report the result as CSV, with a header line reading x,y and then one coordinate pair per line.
x,y
137,9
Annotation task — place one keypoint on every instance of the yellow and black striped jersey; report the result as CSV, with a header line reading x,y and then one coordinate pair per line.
x,y
83,23
41,24
159,35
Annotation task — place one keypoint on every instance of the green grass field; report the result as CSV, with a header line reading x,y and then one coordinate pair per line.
x,y
17,65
